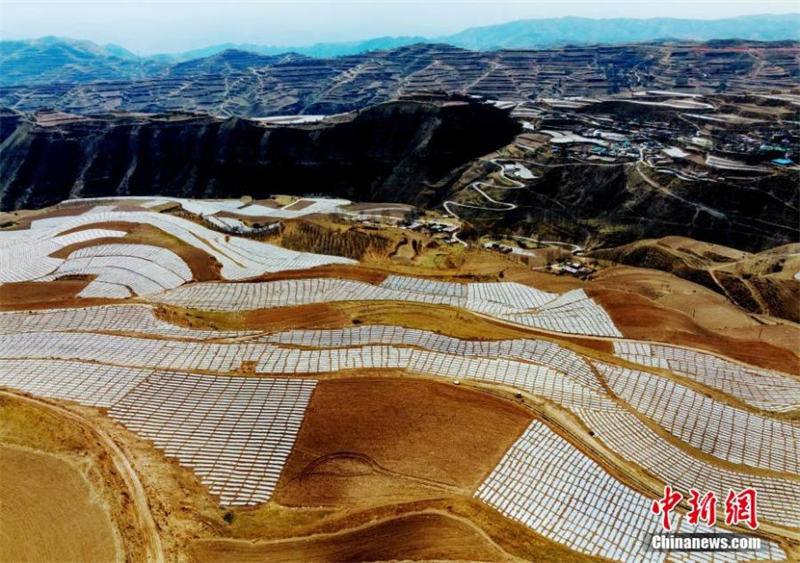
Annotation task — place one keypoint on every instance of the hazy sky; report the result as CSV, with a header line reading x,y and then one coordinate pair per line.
x,y
157,26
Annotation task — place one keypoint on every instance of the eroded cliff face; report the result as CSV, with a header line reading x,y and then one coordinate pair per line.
x,y
397,151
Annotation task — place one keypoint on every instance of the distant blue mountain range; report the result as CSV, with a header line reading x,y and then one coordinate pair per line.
x,y
550,33
54,59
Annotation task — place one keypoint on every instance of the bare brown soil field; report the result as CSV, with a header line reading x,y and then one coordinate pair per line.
x,y
375,272
368,206
128,205
642,319
395,210
784,335
703,249
379,440
267,203
299,205
343,271
708,309
425,536
759,283
45,295
543,281
705,307
50,512
251,220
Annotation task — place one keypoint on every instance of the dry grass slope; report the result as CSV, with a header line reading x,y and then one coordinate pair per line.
x,y
426,536
50,512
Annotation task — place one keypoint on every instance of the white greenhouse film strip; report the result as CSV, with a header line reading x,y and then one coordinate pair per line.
x,y
105,290
133,352
761,388
537,351
87,235
25,257
143,269
547,484
235,432
563,387
550,486
624,433
106,318
718,429
163,257
90,384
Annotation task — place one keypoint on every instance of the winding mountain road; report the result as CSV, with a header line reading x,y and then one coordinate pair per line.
x,y
502,205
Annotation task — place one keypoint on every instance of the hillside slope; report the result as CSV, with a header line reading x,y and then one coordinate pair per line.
x,y
247,85
762,283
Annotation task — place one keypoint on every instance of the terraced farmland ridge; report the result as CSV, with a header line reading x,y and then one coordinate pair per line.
x,y
239,83
316,379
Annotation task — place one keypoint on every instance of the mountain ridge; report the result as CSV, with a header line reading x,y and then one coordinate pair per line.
x,y
587,31
252,85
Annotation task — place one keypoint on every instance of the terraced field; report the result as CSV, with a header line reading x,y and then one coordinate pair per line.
x,y
333,85
350,412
